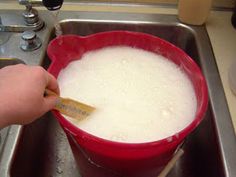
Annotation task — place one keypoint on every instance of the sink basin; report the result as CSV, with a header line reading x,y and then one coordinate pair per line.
x,y
210,151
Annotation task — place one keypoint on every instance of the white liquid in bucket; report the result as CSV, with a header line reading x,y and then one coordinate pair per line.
x,y
139,96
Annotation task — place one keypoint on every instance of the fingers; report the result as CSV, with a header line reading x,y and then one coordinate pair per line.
x,y
48,80
52,84
49,103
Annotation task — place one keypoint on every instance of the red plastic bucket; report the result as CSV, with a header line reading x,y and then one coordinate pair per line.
x,y
124,159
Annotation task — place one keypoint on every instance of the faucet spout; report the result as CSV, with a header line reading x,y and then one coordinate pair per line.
x,y
53,4
31,20
49,4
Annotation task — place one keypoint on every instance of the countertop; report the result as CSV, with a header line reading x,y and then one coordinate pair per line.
x,y
220,30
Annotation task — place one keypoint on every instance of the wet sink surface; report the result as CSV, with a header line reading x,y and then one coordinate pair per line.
x,y
43,149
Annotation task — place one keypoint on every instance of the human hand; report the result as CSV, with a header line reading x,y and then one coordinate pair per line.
x,y
22,94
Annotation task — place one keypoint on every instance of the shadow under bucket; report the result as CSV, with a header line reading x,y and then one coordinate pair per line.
x,y
98,157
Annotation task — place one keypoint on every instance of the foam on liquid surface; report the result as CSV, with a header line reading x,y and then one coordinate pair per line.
x,y
139,96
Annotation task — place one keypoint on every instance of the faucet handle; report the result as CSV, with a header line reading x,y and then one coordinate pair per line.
x,y
30,41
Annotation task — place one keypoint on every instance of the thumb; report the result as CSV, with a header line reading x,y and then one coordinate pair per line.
x,y
49,102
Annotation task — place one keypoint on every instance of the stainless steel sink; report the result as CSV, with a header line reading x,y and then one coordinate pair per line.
x,y
210,151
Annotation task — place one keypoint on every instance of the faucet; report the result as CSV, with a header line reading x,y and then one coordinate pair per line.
x,y
49,4
31,20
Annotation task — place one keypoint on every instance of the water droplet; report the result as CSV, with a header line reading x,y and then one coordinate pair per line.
x,y
177,135
59,170
169,139
58,159
62,133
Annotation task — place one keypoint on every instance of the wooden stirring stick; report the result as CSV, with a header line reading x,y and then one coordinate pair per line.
x,y
71,108
171,163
